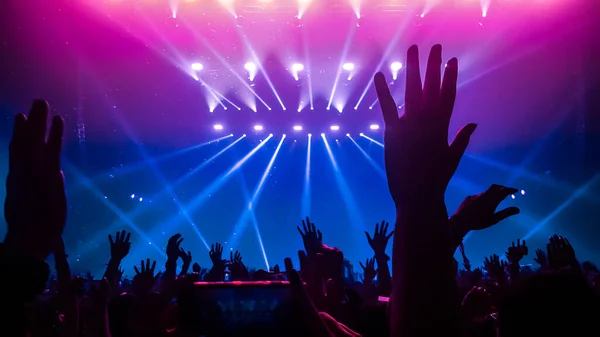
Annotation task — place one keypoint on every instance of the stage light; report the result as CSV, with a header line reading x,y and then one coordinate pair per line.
x,y
395,66
347,135
271,134
334,128
258,128
309,135
374,127
361,134
297,67
250,66
348,66
522,192
322,135
197,66
218,127
297,128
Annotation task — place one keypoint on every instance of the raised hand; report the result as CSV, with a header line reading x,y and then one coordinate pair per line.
x,y
216,254
515,253
380,238
495,267
173,247
311,236
369,271
540,258
238,270
478,212
119,248
35,207
560,253
418,160
144,278
185,257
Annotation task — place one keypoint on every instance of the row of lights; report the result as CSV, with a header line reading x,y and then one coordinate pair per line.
x,y
259,127
252,68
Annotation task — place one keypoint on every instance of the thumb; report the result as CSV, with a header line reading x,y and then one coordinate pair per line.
x,y
461,141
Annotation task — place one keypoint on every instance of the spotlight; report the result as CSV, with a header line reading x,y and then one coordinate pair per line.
x,y
244,135
334,128
348,66
374,127
322,135
297,67
271,134
361,134
395,66
347,135
309,135
258,128
218,127
250,66
297,128
197,66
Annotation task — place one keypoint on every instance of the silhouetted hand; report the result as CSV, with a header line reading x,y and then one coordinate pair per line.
x,y
311,237
119,248
380,238
418,160
173,247
515,253
276,269
185,257
35,207
540,258
495,267
196,267
236,267
478,212
369,271
144,278
216,255
560,253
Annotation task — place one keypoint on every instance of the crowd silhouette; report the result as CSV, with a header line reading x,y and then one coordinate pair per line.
x,y
429,293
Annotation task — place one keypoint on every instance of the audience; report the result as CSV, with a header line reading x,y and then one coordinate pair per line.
x,y
326,296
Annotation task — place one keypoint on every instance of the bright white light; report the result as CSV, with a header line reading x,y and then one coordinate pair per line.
x,y
258,128
395,66
218,127
522,192
250,66
297,67
197,66
141,199
512,196
132,196
334,128
361,134
322,135
309,135
348,66
374,127
347,135
297,128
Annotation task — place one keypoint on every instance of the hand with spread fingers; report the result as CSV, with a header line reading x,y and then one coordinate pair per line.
x,y
35,207
419,162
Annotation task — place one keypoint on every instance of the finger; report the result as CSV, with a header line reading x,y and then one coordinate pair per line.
x,y
460,143
361,265
137,271
448,91
127,237
153,266
369,239
319,235
304,226
504,214
110,239
390,235
313,228
179,241
300,231
147,264
18,143
385,226
414,87
142,266
433,76
377,229
386,101
55,141
38,121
